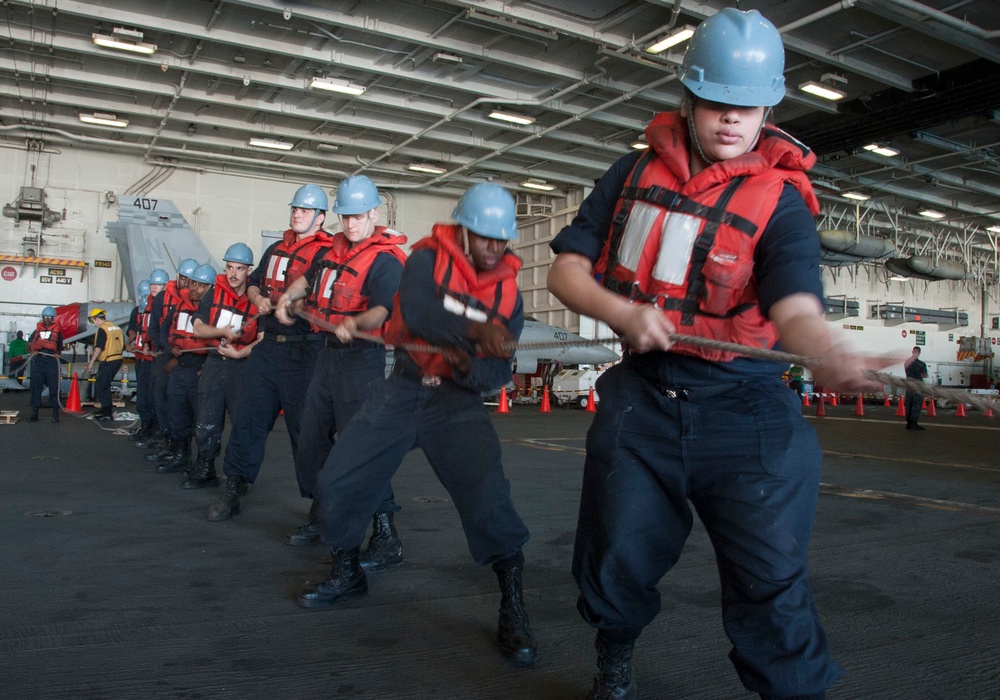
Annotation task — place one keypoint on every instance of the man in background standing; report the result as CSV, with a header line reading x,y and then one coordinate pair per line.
x,y
915,369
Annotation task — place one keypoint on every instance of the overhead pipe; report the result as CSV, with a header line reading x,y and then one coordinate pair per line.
x,y
945,18
818,15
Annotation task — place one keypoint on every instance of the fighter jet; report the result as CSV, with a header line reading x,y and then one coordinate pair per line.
x,y
573,349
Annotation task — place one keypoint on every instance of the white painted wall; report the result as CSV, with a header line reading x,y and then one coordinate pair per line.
x,y
222,209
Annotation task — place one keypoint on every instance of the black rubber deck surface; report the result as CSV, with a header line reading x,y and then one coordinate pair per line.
x,y
115,586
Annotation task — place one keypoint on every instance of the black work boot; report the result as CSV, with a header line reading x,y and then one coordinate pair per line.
x,y
165,450
346,578
308,533
157,439
513,629
34,415
228,504
55,414
384,550
614,679
144,431
180,458
204,475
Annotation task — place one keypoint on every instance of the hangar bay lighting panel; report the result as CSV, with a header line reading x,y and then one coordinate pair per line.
x,y
104,119
124,40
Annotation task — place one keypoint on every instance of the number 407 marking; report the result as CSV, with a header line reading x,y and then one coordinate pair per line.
x,y
145,203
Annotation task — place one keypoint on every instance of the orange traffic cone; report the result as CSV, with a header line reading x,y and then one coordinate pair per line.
x,y
73,400
591,404
546,408
833,399
820,406
887,403
503,402
960,410
900,409
923,403
932,409
989,413
859,408
805,398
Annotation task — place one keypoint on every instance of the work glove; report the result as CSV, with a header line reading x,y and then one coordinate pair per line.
x,y
491,337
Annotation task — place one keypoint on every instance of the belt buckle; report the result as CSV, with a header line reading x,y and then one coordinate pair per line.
x,y
280,338
430,381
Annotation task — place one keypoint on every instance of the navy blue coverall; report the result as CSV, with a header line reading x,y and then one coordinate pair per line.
x,y
447,421
143,376
275,378
344,377
45,373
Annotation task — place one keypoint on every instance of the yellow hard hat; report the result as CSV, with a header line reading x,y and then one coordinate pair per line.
x,y
97,312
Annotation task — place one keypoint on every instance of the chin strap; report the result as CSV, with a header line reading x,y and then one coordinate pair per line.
x,y
692,134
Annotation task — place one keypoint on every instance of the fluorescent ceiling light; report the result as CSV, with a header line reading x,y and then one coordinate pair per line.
x,y
103,119
897,278
332,85
276,144
511,117
323,146
425,168
856,196
678,36
820,90
445,57
536,184
125,40
882,150
931,214
993,229
640,145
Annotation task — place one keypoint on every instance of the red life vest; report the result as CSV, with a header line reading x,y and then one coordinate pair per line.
x,y
290,260
141,342
686,244
480,296
46,339
171,300
231,309
343,271
181,334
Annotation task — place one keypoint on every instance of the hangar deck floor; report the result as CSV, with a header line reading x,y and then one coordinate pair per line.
x,y
126,591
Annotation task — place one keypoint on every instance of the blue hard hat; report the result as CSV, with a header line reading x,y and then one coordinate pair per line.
x,y
356,195
144,289
488,211
204,273
239,253
159,276
48,312
187,267
736,58
310,197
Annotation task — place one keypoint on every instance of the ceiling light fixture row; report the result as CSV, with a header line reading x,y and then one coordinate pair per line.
x,y
124,40
534,183
104,119
333,85
511,117
678,36
824,88
882,150
426,168
274,144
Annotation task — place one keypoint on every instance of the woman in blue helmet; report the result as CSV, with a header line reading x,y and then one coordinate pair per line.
x,y
710,233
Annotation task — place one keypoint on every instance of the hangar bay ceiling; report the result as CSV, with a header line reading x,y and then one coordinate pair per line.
x,y
540,96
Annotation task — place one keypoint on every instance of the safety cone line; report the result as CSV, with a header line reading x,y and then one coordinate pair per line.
x,y
900,408
805,399
821,406
960,410
503,408
73,400
859,408
932,408
546,406
591,408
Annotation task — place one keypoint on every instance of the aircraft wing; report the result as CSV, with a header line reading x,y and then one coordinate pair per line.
x,y
576,350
